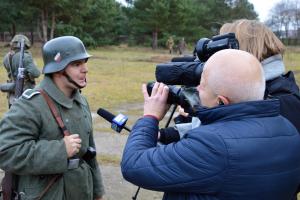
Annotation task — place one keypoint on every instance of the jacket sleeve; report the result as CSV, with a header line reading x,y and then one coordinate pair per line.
x,y
31,68
98,186
21,150
195,164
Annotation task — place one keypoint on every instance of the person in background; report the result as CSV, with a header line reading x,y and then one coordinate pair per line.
x,y
182,46
170,44
46,138
11,63
244,148
257,39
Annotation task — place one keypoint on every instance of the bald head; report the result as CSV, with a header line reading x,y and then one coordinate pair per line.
x,y
235,74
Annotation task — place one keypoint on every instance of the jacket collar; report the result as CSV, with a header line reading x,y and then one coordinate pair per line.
x,y
273,67
285,84
57,95
251,109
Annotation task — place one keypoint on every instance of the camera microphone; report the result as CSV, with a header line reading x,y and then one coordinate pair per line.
x,y
117,122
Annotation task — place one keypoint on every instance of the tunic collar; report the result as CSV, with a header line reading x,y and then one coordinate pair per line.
x,y
57,95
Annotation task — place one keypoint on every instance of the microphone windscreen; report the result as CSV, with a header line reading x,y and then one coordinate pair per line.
x,y
106,115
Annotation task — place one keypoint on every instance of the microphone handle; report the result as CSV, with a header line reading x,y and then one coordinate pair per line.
x,y
127,129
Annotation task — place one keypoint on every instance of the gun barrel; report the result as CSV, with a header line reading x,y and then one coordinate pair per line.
x,y
21,72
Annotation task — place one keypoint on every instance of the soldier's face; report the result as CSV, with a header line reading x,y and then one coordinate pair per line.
x,y
77,71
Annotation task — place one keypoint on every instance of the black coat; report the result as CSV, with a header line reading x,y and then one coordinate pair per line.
x,y
286,90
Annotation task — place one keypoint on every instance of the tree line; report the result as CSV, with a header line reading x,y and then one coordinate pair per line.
x,y
284,19
108,22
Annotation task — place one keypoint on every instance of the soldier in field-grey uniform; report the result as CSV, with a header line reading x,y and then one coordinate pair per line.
x,y
11,63
32,144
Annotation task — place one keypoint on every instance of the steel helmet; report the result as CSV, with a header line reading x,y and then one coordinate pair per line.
x,y
14,43
60,51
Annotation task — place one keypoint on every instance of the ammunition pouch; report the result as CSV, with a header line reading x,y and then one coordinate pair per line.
x,y
8,87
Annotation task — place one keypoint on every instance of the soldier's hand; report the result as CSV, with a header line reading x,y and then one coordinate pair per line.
x,y
73,144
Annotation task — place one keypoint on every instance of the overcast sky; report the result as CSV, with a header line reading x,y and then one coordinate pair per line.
x,y
262,7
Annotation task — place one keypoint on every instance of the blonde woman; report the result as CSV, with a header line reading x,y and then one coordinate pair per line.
x,y
257,39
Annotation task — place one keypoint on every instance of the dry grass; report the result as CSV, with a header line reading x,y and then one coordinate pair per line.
x,y
117,72
292,61
109,159
115,76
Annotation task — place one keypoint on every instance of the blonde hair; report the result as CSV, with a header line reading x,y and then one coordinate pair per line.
x,y
255,38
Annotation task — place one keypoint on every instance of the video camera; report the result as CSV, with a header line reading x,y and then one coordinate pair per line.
x,y
187,70
186,97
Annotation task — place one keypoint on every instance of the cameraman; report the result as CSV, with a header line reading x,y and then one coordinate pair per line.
x,y
257,39
243,150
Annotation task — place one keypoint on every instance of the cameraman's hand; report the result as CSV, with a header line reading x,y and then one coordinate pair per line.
x,y
156,104
73,144
181,112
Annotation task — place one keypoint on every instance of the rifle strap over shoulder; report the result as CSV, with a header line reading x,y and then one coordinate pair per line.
x,y
55,113
51,182
63,129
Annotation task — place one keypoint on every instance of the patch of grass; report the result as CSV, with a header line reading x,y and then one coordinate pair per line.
x,y
115,76
116,73
292,61
109,159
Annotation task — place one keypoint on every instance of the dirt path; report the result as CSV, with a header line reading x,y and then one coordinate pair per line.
x,y
111,145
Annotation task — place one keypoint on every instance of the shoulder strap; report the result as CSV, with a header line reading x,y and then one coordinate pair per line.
x,y
51,182
55,113
65,132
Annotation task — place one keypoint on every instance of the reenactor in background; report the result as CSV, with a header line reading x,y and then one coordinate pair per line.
x,y
182,46
170,44
11,63
46,137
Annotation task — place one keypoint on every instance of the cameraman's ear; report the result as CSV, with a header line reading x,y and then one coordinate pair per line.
x,y
223,100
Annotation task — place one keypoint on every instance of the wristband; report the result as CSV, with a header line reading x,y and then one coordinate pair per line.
x,y
152,116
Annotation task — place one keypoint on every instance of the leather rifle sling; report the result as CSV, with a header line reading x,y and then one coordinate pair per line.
x,y
63,129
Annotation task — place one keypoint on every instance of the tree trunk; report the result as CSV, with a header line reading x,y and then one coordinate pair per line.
x,y
45,25
31,36
154,39
52,25
13,30
38,29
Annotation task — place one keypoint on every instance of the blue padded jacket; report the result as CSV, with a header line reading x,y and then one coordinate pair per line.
x,y
241,151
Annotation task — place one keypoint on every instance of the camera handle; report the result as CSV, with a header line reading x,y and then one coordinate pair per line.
x,y
166,126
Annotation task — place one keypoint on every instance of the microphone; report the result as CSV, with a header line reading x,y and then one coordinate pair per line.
x,y
117,122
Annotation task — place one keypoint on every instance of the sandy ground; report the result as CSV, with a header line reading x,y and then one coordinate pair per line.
x,y
111,143
116,187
